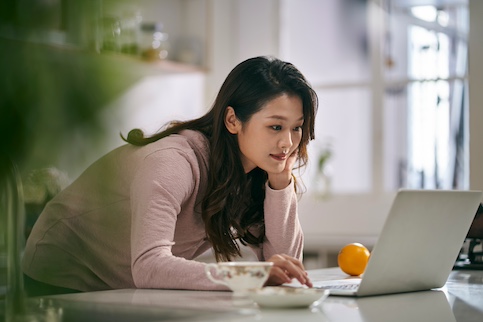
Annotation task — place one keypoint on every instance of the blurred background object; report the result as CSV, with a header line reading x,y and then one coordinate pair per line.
x,y
51,93
155,42
39,187
52,90
471,254
12,223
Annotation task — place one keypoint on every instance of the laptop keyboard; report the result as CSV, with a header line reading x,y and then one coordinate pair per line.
x,y
345,286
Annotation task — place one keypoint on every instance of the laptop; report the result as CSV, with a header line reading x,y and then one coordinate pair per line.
x,y
418,245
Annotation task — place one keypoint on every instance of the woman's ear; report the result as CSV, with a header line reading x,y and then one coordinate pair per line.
x,y
231,121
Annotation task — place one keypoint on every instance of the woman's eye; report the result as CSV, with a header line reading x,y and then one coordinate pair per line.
x,y
276,127
297,129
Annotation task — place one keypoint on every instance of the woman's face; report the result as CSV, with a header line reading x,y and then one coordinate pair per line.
x,y
271,134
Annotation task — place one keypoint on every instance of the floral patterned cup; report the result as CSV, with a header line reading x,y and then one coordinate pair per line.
x,y
239,276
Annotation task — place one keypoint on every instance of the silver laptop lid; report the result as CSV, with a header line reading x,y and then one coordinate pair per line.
x,y
420,241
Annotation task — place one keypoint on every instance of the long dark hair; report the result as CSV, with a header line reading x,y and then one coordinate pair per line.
x,y
233,205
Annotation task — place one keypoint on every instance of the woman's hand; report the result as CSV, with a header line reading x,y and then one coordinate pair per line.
x,y
281,180
285,268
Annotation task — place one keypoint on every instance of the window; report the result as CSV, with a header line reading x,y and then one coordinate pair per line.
x,y
437,140
392,84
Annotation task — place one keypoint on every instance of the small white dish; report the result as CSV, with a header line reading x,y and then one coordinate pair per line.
x,y
287,297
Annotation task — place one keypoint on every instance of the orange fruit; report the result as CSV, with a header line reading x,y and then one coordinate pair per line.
x,y
353,258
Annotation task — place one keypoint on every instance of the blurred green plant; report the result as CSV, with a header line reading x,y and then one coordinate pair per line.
x,y
324,156
51,97
45,100
52,92
323,177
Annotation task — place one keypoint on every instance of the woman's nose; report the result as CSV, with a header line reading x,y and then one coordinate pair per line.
x,y
286,141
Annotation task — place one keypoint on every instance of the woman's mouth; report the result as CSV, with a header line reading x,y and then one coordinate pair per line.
x,y
279,157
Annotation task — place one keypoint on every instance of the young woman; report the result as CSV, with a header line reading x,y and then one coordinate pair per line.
x,y
140,215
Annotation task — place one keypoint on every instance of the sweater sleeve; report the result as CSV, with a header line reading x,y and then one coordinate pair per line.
x,y
163,185
283,233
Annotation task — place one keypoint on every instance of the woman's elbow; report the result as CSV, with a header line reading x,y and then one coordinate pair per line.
x,y
141,276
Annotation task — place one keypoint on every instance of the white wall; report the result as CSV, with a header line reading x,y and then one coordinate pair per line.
x,y
238,30
147,104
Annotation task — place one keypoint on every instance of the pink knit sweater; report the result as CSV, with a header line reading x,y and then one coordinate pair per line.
x,y
132,219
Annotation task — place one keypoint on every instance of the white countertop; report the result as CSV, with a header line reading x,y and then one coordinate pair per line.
x,y
461,299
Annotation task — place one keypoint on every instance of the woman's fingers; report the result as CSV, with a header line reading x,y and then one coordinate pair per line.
x,y
292,158
278,276
286,268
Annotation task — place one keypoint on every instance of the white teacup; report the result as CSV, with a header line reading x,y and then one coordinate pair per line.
x,y
239,276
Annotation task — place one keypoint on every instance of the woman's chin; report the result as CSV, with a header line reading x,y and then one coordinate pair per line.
x,y
274,169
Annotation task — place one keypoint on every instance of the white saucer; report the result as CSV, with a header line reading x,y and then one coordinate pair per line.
x,y
279,296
